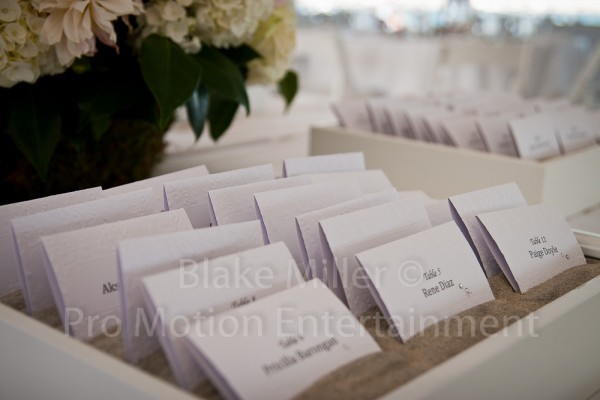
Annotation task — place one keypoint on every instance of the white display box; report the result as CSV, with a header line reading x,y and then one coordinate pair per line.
x,y
562,361
570,182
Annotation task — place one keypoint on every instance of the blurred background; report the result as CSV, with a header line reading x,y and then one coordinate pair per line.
x,y
365,48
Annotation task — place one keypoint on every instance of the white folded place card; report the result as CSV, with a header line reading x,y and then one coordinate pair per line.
x,y
534,137
370,181
286,342
496,134
439,212
236,203
399,123
82,269
307,226
424,278
9,267
378,116
28,230
192,194
532,244
416,120
278,209
465,208
573,130
463,132
141,257
157,182
342,162
352,114
433,122
344,236
177,298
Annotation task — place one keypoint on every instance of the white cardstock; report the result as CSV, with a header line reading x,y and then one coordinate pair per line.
x,y
463,133
278,209
531,244
307,226
496,134
192,194
465,208
344,162
157,182
9,266
344,236
378,116
425,278
370,181
82,269
282,354
181,296
352,114
28,230
236,203
141,257
573,130
535,137
439,212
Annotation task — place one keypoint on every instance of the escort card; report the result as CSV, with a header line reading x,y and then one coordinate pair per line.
x,y
416,120
236,203
370,181
352,114
28,230
177,298
378,116
496,134
343,162
398,121
439,212
465,208
141,257
281,349
433,122
82,269
192,194
278,209
424,278
156,183
9,269
463,132
532,244
344,236
307,226
572,130
534,137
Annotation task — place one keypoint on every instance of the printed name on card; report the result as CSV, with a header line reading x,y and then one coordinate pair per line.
x,y
141,257
236,203
307,226
9,268
28,230
531,244
282,353
192,194
344,236
82,269
278,209
343,162
535,137
465,208
178,298
424,278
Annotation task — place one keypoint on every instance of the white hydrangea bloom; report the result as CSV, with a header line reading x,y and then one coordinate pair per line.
x,y
23,57
171,18
275,40
227,23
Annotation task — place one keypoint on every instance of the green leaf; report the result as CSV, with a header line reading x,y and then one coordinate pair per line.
x,y
170,74
221,112
99,126
223,76
241,55
34,126
197,109
288,87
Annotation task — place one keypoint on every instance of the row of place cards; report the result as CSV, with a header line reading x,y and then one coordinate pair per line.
x,y
240,268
